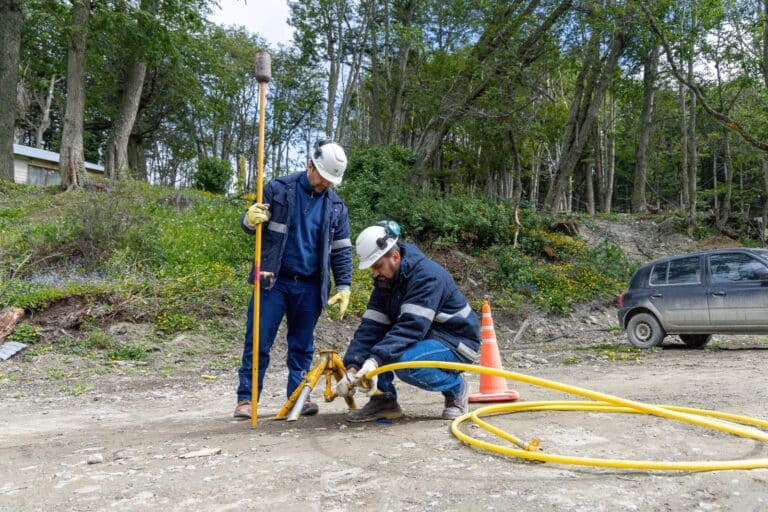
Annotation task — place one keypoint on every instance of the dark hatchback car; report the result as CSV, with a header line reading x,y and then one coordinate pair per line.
x,y
723,291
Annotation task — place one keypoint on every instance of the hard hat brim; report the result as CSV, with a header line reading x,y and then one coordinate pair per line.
x,y
335,180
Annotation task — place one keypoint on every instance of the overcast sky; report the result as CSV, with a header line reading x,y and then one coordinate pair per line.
x,y
264,17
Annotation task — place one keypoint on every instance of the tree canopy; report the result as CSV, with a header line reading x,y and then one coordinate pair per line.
x,y
562,105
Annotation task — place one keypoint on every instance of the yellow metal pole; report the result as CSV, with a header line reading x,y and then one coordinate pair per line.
x,y
263,66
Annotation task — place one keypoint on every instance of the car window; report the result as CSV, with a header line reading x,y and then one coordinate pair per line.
x,y
736,267
659,274
684,271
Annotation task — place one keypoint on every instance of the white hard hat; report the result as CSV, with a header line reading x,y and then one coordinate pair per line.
x,y
375,241
330,160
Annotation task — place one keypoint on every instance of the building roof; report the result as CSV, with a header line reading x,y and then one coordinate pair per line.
x,y
48,156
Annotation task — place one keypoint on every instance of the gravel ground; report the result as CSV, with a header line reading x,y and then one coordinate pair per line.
x,y
79,434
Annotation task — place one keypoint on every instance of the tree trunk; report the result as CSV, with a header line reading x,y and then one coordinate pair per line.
x,y
396,113
335,40
590,188
513,185
351,87
591,86
45,108
71,161
533,198
137,157
683,147
715,201
641,155
693,161
117,166
10,50
611,153
764,224
725,208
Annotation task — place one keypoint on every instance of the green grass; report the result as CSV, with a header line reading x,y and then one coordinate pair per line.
x,y
128,353
618,353
177,259
25,333
150,254
56,374
78,388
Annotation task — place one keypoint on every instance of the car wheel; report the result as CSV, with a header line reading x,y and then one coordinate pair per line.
x,y
644,331
695,340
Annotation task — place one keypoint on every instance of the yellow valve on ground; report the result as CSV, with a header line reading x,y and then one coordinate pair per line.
x,y
531,450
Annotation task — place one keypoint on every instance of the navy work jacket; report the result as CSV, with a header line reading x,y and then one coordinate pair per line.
x,y
423,303
280,194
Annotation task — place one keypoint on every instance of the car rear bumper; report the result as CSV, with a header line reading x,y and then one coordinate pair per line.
x,y
622,315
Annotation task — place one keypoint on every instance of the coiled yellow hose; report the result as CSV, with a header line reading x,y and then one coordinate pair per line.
x,y
725,422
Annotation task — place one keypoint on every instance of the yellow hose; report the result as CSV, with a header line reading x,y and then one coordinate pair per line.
x,y
725,422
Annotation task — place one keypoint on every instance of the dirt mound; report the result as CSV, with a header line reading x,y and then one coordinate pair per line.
x,y
648,238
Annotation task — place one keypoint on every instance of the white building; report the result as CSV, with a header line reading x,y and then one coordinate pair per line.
x,y
40,167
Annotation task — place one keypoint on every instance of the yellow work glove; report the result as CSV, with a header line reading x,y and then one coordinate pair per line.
x,y
342,298
256,214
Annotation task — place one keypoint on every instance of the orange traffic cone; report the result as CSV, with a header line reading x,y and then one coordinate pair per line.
x,y
492,388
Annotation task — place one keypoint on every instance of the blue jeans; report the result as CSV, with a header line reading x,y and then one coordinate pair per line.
x,y
449,382
299,302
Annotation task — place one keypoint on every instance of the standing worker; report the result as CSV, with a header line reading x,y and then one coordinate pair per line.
x,y
307,235
415,313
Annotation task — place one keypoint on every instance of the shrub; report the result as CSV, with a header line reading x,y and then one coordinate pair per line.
x,y
212,175
376,185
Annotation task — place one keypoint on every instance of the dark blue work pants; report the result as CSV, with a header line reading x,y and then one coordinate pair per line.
x,y
299,302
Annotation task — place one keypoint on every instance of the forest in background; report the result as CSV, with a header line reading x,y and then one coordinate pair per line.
x,y
560,106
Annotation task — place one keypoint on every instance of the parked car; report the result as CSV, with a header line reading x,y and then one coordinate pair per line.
x,y
695,295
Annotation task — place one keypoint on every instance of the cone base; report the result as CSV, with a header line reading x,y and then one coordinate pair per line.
x,y
506,396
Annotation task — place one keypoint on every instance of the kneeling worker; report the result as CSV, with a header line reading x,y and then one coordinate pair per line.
x,y
415,313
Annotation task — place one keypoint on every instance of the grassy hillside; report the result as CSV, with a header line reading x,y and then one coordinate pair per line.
x,y
177,260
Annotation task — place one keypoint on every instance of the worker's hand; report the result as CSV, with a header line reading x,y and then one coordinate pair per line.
x,y
256,214
342,299
369,385
346,386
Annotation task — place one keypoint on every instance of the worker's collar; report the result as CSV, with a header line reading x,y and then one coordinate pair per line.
x,y
305,186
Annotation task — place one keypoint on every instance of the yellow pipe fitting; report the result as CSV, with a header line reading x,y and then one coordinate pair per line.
x,y
533,446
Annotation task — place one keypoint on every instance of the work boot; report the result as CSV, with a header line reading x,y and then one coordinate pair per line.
x,y
243,410
375,410
457,406
309,408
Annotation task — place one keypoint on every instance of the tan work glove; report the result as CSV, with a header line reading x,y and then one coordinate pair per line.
x,y
342,298
369,386
256,214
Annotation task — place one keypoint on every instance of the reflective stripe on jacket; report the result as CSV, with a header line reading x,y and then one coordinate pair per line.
x,y
280,194
424,303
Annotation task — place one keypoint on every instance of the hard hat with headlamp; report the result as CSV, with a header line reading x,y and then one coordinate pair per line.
x,y
376,241
330,160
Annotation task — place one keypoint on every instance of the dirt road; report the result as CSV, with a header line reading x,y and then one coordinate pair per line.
x,y
138,440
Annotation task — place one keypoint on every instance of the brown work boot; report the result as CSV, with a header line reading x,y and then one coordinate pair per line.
x,y
375,410
309,408
243,410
